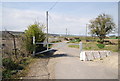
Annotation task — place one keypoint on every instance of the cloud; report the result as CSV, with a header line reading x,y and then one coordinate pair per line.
x,y
74,24
18,20
14,19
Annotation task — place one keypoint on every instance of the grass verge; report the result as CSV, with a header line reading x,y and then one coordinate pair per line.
x,y
93,46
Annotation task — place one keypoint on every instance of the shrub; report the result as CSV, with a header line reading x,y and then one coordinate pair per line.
x,y
34,30
6,74
100,41
101,46
10,68
8,63
25,61
75,40
78,40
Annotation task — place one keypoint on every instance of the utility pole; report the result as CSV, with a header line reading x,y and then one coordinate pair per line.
x,y
86,31
47,27
66,31
80,33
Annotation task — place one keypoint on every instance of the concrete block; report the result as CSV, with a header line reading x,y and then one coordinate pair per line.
x,y
91,55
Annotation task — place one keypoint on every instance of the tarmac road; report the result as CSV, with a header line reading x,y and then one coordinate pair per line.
x,y
69,66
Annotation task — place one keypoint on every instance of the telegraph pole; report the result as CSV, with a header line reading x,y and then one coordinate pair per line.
x,y
66,31
47,27
86,31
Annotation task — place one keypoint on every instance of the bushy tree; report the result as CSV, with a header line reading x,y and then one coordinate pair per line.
x,y
35,30
101,26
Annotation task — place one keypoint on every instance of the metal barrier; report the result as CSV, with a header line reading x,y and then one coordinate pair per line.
x,y
46,43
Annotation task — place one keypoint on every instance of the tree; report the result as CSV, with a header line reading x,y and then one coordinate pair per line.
x,y
101,26
35,30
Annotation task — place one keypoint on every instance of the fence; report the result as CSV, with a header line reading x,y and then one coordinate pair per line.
x,y
12,45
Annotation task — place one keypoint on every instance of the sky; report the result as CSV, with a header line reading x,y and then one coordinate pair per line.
x,y
73,16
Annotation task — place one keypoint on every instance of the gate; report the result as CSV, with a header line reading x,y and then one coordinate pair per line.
x,y
60,45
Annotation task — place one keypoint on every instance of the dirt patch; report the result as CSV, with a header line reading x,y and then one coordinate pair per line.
x,y
113,40
51,67
38,69
110,61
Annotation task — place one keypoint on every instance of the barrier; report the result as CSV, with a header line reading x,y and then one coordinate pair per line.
x,y
91,55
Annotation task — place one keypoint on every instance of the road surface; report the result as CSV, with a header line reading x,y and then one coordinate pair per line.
x,y
67,65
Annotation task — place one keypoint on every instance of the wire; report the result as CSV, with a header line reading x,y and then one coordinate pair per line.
x,y
52,19
53,5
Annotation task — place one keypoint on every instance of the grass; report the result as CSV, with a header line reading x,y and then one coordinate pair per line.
x,y
93,46
74,46
74,41
50,45
114,38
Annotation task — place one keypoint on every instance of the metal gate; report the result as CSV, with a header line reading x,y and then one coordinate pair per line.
x,y
61,44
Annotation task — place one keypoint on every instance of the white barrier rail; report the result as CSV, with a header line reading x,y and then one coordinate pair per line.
x,y
60,45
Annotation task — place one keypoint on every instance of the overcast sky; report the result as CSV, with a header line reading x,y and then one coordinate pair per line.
x,y
71,15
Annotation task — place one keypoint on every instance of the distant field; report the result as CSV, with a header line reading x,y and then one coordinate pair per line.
x,y
113,40
93,46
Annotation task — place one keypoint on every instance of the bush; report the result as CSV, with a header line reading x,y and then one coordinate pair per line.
x,y
34,30
25,61
99,41
78,40
6,74
75,40
8,63
10,68
101,46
